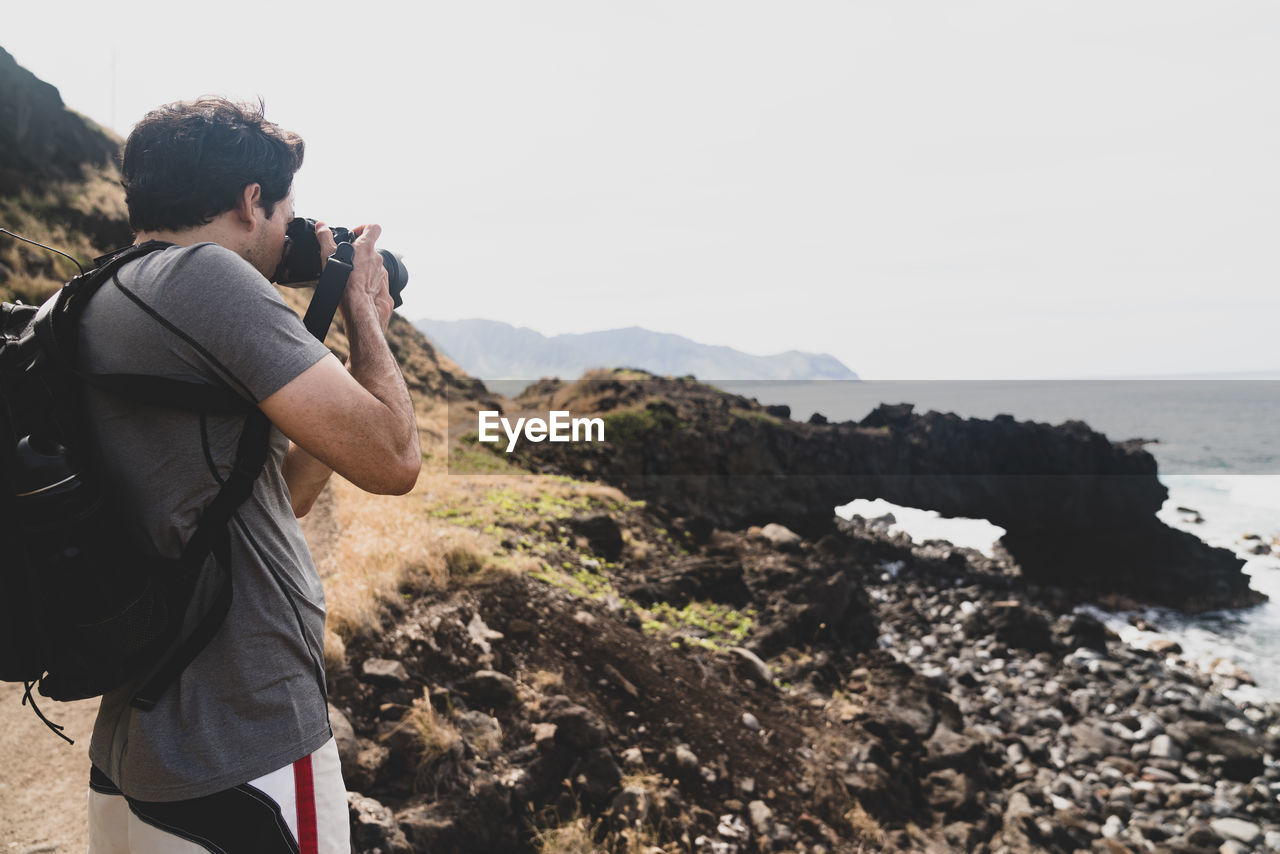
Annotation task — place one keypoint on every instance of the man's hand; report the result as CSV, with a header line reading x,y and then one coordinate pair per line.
x,y
368,280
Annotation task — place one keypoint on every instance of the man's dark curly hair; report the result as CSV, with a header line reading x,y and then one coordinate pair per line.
x,y
188,161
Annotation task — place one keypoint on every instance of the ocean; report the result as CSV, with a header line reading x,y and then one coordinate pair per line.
x,y
1217,451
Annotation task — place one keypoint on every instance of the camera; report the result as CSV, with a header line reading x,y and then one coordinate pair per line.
x,y
302,262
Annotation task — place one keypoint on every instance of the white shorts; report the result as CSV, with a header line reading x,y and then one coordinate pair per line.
x,y
299,809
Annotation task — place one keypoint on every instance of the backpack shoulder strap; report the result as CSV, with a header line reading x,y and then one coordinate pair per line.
x,y
212,536
56,324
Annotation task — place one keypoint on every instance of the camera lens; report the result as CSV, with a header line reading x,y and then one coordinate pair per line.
x,y
397,274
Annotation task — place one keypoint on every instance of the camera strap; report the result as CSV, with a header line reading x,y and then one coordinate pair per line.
x,y
333,281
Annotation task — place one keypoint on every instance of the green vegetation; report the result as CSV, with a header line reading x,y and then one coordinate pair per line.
x,y
707,625
719,625
470,457
512,507
507,507
625,425
755,416
584,582
630,374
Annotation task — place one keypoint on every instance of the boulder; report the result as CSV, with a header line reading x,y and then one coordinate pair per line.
x,y
384,672
601,532
373,827
489,688
1013,624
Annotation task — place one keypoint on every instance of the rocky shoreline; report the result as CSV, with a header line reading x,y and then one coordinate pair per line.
x,y
1106,746
884,695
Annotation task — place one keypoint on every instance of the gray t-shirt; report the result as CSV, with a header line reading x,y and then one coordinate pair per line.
x,y
253,700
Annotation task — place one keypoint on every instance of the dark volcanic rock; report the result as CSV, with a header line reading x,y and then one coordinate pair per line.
x,y
719,579
815,609
385,672
490,688
601,533
1012,624
1240,758
1079,509
1082,630
598,775
57,166
373,827
576,727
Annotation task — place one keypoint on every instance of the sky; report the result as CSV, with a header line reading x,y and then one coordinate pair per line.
x,y
925,190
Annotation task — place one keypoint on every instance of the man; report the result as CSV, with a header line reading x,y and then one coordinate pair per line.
x,y
237,754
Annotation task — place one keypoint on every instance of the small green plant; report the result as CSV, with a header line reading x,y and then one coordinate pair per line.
x,y
584,583
625,425
714,626
474,458
513,508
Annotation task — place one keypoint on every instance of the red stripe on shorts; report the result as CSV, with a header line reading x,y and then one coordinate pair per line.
x,y
305,796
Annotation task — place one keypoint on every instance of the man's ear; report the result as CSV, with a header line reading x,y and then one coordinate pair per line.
x,y
250,200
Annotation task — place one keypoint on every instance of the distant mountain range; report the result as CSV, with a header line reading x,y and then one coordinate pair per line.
x,y
492,350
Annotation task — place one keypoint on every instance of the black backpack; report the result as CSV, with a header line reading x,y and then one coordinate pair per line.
x,y
83,608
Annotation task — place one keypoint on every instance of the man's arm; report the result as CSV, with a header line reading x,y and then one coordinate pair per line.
x,y
358,420
305,477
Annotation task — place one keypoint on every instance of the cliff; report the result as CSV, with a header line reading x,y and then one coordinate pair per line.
x,y
1079,510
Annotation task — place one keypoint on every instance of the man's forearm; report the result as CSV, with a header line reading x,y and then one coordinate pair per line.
x,y
357,419
305,476
374,367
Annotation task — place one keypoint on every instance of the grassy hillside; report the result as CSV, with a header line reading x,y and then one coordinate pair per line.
x,y
59,185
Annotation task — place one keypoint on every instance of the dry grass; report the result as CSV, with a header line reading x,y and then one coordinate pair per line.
x,y
440,747
437,736
382,545
546,681
335,651
447,532
638,549
578,835
464,562
575,837
390,547
866,830
536,686
43,216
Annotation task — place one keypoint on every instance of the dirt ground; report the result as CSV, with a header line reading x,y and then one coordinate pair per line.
x,y
43,780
